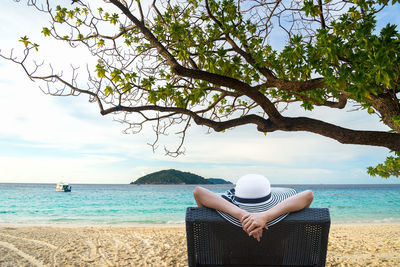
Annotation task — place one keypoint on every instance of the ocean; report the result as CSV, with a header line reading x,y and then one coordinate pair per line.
x,y
109,204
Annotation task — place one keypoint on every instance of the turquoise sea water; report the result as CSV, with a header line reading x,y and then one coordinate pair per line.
x,y
129,204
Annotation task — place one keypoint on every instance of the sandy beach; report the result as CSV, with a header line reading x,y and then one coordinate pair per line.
x,y
22,245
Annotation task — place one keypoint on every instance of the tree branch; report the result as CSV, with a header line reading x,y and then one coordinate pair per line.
x,y
321,14
342,135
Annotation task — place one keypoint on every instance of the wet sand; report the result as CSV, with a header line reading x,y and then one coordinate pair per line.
x,y
22,245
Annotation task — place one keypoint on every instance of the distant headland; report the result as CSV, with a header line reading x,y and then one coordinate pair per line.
x,y
177,177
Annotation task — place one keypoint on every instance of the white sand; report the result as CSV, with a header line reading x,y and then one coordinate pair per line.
x,y
21,245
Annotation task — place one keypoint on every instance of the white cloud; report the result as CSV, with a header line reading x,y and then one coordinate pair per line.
x,y
35,117
54,169
277,175
246,146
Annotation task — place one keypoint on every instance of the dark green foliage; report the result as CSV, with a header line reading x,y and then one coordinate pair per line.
x,y
171,177
391,167
218,181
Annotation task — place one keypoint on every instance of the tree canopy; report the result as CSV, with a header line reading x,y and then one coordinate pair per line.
x,y
227,63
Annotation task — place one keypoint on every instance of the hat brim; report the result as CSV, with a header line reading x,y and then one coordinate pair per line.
x,y
278,194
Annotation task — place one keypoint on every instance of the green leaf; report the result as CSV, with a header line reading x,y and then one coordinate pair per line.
x,y
85,11
100,43
127,87
101,72
114,18
115,75
60,15
36,46
71,14
46,31
25,40
310,9
108,90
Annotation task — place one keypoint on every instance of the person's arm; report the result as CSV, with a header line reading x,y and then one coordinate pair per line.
x,y
206,198
253,222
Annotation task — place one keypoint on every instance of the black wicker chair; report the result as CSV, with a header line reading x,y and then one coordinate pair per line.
x,y
301,239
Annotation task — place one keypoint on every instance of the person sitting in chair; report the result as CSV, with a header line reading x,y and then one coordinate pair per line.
x,y
253,204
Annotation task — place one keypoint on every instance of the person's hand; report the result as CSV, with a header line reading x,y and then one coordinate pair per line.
x,y
258,234
254,223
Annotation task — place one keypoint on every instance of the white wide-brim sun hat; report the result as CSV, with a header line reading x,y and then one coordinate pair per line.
x,y
253,193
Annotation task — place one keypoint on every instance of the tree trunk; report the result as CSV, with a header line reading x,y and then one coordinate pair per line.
x,y
388,107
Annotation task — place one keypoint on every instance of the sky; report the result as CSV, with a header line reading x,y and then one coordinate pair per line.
x,y
46,139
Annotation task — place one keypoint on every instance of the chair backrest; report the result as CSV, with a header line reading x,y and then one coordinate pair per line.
x,y
301,239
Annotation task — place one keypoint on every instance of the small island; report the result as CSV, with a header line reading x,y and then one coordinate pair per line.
x,y
177,177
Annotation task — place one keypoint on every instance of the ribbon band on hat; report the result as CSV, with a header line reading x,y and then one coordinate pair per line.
x,y
251,200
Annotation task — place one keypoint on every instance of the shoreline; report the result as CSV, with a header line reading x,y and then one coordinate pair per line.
x,y
161,225
82,225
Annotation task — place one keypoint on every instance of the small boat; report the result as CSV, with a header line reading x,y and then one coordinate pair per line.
x,y
63,187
